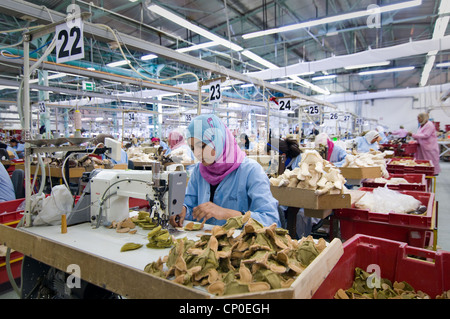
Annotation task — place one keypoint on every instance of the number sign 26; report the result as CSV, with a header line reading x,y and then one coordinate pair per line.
x,y
69,42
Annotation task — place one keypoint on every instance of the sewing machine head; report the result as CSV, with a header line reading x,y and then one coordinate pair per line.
x,y
106,197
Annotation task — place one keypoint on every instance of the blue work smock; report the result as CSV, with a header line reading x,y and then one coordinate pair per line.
x,y
338,156
362,146
7,192
245,189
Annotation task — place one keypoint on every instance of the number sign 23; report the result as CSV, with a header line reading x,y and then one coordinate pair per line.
x,y
69,42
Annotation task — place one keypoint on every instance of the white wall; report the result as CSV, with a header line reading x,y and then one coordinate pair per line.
x,y
398,107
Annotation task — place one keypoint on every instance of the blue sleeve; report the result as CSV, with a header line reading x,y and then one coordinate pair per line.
x,y
263,206
191,195
341,155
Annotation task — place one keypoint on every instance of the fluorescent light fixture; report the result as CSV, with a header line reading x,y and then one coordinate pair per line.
x,y
148,57
309,85
367,65
402,69
282,82
324,77
118,63
4,87
443,65
99,118
51,77
258,59
342,17
247,85
197,47
194,28
439,31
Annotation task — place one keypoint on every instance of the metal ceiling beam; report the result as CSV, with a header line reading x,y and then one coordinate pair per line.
x,y
20,8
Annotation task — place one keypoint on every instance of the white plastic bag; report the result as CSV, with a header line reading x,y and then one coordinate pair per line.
x,y
58,203
385,200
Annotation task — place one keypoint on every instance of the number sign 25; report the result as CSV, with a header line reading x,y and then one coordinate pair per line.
x,y
69,42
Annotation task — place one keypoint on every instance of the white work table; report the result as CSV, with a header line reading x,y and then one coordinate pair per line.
x,y
446,146
97,253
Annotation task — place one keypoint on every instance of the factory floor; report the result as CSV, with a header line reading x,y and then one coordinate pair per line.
x,y
442,196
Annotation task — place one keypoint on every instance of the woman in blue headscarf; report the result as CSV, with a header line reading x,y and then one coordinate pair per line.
x,y
225,183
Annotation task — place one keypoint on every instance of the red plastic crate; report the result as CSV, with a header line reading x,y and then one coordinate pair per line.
x,y
416,230
419,180
397,261
402,169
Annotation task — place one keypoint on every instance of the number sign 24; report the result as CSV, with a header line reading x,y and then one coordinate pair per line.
x,y
69,42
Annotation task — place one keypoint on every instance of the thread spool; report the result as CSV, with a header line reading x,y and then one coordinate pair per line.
x,y
63,224
77,118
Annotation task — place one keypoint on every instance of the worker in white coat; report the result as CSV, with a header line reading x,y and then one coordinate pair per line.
x,y
428,148
383,138
225,183
335,153
367,142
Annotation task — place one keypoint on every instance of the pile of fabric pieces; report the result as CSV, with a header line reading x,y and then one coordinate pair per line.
x,y
313,173
138,154
367,286
369,159
258,259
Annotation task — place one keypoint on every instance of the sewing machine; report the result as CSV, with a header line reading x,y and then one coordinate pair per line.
x,y
106,196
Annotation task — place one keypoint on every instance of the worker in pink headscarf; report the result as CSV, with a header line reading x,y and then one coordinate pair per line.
x,y
428,148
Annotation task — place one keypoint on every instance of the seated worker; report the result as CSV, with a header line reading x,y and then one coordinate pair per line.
x,y
288,147
245,143
157,142
12,148
225,183
367,142
334,153
7,192
383,137
100,138
18,147
184,153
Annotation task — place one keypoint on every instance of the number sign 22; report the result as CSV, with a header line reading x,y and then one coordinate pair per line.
x,y
69,42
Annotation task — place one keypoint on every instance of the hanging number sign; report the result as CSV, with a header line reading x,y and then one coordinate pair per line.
x,y
359,121
334,116
285,104
215,92
188,118
131,117
69,41
41,106
312,109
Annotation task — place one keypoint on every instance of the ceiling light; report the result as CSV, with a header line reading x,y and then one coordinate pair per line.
x,y
258,59
148,57
51,77
443,65
309,85
194,28
118,63
282,82
247,85
324,77
407,68
342,17
197,47
367,65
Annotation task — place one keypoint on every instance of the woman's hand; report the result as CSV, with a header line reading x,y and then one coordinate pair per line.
x,y
177,220
209,209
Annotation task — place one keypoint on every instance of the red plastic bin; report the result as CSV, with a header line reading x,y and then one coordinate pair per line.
x,y
416,230
403,169
397,261
419,180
